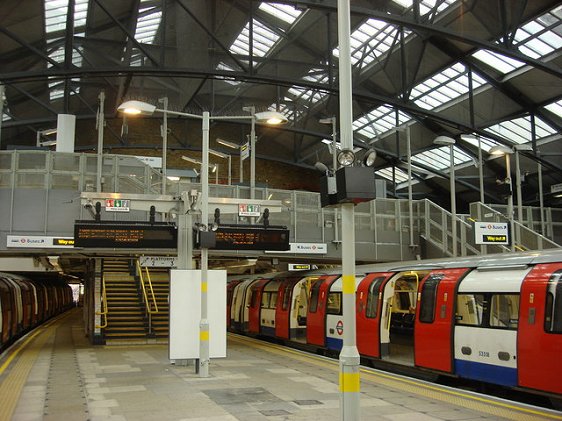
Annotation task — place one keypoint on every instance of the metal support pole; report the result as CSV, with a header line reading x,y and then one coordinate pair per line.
x,y
410,197
101,124
230,170
510,201
2,90
334,169
253,154
164,142
480,170
349,378
541,200
204,323
241,166
518,185
453,200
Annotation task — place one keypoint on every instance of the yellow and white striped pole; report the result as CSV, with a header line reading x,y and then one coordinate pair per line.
x,y
349,356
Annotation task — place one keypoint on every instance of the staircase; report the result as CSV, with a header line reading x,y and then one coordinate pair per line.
x,y
160,278
125,312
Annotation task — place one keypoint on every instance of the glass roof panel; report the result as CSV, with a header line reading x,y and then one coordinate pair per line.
x,y
281,11
56,11
485,142
379,121
292,113
225,67
314,95
426,6
400,175
439,158
264,40
555,107
147,23
542,35
519,130
444,87
499,62
370,41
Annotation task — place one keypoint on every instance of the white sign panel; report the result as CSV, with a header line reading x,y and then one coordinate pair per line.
x,y
491,233
305,248
38,241
185,313
244,151
248,210
555,188
117,205
158,261
153,161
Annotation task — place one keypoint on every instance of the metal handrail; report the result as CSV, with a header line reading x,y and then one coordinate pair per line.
x,y
104,306
148,305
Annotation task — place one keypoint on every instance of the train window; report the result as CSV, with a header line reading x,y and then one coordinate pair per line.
x,y
504,311
428,299
373,298
553,311
273,300
286,297
334,303
470,309
314,296
265,300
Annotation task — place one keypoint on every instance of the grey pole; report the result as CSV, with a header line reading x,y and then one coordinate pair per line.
x,y
519,199
204,323
480,170
2,89
253,154
410,198
229,170
510,201
100,127
164,142
541,201
334,149
349,379
453,200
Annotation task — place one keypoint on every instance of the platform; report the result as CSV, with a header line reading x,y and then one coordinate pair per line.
x,y
56,374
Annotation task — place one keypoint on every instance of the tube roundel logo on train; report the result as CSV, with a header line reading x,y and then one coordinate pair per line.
x,y
339,327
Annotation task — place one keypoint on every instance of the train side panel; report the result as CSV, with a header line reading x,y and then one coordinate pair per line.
x,y
316,317
485,333
540,328
434,325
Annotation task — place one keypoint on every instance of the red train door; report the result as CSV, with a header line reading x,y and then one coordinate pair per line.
x,y
540,328
316,316
433,343
368,304
255,306
229,295
283,309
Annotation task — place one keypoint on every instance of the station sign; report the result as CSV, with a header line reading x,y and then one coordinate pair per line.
x,y
117,205
302,266
307,248
249,210
158,261
244,151
491,233
239,237
38,241
125,234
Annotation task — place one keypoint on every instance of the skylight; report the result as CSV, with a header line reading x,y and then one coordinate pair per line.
x,y
314,95
440,158
445,86
379,121
399,175
498,61
519,129
540,36
226,68
281,11
291,113
148,23
485,143
555,107
370,41
426,6
264,40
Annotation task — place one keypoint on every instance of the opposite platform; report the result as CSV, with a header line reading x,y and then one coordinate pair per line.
x,y
58,375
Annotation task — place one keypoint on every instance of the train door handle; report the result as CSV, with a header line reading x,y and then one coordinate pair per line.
x,y
531,316
443,310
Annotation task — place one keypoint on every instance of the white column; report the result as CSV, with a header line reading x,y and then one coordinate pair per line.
x,y
101,124
66,128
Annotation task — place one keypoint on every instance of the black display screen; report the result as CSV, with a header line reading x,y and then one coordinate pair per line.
x,y
125,235
250,238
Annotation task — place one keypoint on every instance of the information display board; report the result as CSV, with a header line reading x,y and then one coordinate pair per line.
x,y
251,238
491,233
126,234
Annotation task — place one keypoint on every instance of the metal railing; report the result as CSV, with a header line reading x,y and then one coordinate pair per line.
x,y
104,307
150,304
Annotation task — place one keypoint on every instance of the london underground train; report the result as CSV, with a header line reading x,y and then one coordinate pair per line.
x,y
26,303
494,319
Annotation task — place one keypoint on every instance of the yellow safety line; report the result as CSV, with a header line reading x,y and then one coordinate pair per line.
x,y
12,384
480,403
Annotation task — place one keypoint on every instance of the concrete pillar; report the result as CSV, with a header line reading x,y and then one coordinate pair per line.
x,y
66,128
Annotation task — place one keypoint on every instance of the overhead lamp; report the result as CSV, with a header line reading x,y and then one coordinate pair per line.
x,y
136,108
346,157
227,143
271,117
500,150
328,120
320,166
523,147
217,153
444,140
173,178
214,168
192,160
369,158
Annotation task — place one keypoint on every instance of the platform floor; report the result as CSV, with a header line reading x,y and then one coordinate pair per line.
x,y
58,375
